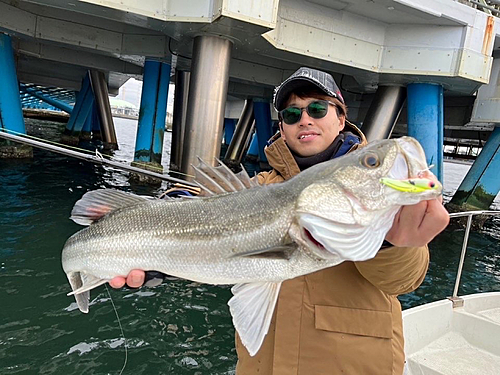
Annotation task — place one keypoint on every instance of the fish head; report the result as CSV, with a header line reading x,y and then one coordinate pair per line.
x,y
356,183
352,200
387,173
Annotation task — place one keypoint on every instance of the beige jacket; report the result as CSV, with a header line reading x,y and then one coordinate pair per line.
x,y
342,320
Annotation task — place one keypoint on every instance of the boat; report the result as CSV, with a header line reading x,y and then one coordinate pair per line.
x,y
457,335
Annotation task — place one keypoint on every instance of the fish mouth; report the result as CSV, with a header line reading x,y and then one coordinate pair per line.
x,y
408,166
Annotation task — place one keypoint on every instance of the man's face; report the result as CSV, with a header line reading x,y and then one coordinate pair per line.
x,y
310,136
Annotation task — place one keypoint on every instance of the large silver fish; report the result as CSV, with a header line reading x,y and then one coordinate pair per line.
x,y
256,237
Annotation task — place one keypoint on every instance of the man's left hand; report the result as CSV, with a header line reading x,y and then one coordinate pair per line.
x,y
418,224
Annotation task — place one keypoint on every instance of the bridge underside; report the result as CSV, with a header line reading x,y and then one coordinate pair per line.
x,y
366,45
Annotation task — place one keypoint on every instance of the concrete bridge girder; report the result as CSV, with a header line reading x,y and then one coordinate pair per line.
x,y
379,42
426,40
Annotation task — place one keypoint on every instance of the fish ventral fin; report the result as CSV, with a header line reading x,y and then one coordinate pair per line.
x,y
221,179
252,307
98,203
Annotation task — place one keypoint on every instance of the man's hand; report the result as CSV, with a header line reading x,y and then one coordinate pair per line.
x,y
135,279
418,224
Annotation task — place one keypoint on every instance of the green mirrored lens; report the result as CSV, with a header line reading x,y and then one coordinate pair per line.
x,y
317,109
291,115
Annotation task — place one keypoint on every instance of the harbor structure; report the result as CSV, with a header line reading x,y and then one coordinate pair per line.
x,y
434,55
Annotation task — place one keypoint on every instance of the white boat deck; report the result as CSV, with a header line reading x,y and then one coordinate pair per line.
x,y
464,340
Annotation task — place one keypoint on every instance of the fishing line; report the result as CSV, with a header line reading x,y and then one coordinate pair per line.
x,y
121,329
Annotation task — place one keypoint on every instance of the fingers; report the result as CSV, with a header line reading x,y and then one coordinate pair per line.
x,y
117,282
435,220
134,279
418,224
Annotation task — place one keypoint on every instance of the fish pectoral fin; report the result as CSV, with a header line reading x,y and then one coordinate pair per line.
x,y
252,308
275,252
98,203
352,242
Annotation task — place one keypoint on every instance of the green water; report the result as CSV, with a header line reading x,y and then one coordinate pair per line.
x,y
179,327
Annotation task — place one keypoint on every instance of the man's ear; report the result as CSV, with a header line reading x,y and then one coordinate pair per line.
x,y
280,124
341,122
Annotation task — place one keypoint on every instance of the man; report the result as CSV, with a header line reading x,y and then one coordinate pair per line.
x,y
345,319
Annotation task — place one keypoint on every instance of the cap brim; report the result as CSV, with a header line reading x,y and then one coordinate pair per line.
x,y
293,85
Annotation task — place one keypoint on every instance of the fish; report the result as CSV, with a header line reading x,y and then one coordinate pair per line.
x,y
250,236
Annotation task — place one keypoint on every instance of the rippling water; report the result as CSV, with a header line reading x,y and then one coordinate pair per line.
x,y
179,327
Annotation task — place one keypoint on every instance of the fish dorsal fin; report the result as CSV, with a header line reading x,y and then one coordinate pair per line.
x,y
221,179
352,242
252,308
98,203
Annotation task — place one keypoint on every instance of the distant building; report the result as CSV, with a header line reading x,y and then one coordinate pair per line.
x,y
131,92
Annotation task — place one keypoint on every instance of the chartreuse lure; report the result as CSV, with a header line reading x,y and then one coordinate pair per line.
x,y
412,185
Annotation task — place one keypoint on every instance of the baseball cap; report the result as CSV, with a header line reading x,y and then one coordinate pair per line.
x,y
305,77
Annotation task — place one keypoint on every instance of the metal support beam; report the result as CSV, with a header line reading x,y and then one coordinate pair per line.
x,y
383,112
207,99
425,121
80,113
151,128
11,113
481,184
239,142
229,126
100,89
63,106
96,124
179,120
263,126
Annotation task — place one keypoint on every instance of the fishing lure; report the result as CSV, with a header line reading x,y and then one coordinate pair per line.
x,y
411,185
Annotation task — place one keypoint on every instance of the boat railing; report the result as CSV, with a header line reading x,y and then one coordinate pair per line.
x,y
457,301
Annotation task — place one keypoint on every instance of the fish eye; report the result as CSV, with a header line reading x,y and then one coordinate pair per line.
x,y
371,160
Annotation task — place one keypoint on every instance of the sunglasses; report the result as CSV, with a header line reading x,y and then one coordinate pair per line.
x,y
317,109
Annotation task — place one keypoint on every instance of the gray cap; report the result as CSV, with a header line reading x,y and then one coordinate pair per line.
x,y
305,77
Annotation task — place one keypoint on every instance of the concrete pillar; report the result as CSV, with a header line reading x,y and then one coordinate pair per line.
x,y
425,121
241,136
101,95
179,120
481,184
207,99
383,112
11,113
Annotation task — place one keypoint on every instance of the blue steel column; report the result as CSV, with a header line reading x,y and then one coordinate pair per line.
x,y
229,126
425,121
11,112
152,114
80,113
481,184
263,126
